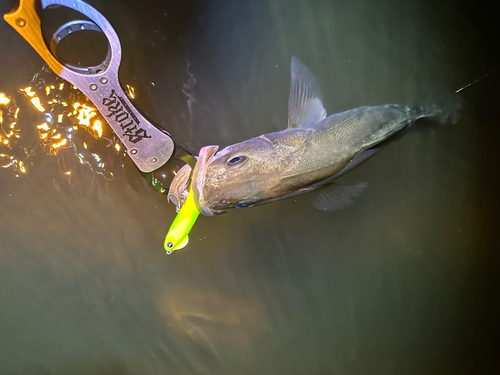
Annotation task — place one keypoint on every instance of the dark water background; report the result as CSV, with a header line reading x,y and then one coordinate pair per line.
x,y
404,282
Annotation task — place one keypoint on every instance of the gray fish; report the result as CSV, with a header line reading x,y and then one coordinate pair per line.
x,y
313,151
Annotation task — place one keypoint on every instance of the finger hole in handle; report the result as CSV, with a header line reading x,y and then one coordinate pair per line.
x,y
70,28
96,22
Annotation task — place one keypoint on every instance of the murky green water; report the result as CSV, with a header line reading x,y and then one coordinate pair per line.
x,y
403,282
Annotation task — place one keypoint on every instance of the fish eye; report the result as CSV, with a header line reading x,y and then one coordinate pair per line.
x,y
243,205
236,160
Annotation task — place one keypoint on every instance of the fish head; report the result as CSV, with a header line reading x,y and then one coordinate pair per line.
x,y
238,176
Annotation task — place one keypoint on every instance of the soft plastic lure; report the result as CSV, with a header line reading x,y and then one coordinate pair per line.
x,y
177,236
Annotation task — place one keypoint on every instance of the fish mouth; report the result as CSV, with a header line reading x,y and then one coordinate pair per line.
x,y
205,157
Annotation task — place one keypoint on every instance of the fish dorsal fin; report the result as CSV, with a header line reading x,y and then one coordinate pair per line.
x,y
305,104
337,196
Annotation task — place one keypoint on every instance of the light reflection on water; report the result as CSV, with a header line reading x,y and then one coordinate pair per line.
x,y
403,282
66,120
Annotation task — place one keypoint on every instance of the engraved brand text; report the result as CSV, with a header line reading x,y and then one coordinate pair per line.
x,y
121,113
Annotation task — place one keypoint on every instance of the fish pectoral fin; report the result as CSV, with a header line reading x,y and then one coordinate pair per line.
x,y
337,196
358,159
305,103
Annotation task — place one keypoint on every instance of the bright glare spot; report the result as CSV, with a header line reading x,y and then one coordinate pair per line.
x,y
59,118
21,167
61,86
5,142
84,113
117,147
47,90
98,128
35,100
67,173
43,126
131,91
28,91
58,136
36,103
84,145
3,99
57,145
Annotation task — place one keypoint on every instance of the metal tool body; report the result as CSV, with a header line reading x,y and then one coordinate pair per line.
x,y
148,146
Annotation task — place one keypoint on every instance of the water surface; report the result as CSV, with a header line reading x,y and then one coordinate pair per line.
x,y
403,282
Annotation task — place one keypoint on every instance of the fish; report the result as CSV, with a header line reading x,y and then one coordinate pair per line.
x,y
313,151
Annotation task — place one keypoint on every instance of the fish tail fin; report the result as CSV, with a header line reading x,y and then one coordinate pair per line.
x,y
443,111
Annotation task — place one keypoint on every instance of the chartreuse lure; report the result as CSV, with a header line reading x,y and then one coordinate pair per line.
x,y
177,236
